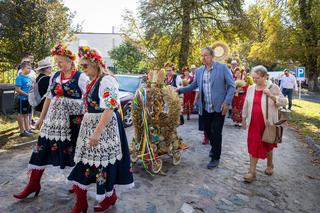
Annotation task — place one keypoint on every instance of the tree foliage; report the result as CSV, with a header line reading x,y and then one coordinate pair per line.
x,y
32,26
284,33
126,57
179,22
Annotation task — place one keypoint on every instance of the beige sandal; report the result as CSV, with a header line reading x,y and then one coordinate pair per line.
x,y
269,170
250,177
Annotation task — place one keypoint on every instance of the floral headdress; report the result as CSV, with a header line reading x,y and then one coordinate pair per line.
x,y
185,68
62,50
90,54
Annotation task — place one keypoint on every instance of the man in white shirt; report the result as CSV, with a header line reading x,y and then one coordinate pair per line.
x,y
287,85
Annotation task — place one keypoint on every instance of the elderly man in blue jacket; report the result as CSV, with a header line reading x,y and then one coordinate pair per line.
x,y
216,89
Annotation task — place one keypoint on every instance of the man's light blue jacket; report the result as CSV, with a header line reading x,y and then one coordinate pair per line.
x,y
222,86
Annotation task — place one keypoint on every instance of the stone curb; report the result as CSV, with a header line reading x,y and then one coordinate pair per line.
x,y
313,145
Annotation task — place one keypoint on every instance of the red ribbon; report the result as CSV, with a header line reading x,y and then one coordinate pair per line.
x,y
88,88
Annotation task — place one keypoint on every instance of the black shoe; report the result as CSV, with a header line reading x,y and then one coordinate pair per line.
x,y
181,120
188,117
25,134
29,131
211,153
213,164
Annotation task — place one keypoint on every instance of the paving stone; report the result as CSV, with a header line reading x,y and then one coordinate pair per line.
x,y
188,184
187,208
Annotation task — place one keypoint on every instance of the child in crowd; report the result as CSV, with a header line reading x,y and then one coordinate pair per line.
x,y
23,85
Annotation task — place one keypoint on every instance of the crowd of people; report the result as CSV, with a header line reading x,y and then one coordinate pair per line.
x,y
217,90
81,126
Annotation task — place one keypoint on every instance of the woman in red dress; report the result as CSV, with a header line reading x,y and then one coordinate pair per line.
x,y
238,98
188,97
254,116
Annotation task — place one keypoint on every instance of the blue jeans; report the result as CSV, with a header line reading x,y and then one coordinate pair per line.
x,y
288,92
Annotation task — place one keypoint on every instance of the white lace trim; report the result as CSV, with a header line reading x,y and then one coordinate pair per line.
x,y
98,163
126,186
108,151
56,125
100,197
109,194
31,167
81,186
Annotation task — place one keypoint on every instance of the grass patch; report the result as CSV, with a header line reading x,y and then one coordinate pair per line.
x,y
10,133
305,117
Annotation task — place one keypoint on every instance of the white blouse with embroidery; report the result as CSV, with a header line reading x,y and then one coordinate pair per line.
x,y
109,93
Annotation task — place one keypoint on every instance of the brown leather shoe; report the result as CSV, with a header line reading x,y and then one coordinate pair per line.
x,y
250,177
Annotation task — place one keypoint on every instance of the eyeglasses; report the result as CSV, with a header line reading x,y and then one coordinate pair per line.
x,y
84,66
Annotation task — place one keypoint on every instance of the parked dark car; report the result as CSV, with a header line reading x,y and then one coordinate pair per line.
x,y
128,85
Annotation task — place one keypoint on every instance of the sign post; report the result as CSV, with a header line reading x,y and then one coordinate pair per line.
x,y
300,73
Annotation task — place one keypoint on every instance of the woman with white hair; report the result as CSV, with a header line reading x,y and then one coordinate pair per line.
x,y
102,153
254,116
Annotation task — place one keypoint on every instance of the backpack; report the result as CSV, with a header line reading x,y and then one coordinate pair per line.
x,y
34,97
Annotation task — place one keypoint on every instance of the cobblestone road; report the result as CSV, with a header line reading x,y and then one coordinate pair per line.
x,y
188,187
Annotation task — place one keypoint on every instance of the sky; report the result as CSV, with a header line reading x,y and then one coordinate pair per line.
x,y
99,16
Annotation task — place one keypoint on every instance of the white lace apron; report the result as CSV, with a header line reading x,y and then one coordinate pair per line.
x,y
56,125
109,148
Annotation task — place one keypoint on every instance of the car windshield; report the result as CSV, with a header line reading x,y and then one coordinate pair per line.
x,y
128,83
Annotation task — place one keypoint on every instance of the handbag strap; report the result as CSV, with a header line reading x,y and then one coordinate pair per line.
x,y
267,103
267,106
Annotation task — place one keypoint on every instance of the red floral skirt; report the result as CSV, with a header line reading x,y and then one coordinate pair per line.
x,y
188,100
237,106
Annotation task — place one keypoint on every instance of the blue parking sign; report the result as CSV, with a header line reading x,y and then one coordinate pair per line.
x,y
300,72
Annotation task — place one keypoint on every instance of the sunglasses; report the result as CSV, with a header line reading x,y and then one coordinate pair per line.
x,y
84,66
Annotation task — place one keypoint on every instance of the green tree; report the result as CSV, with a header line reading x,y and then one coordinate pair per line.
x,y
310,24
285,33
32,26
126,57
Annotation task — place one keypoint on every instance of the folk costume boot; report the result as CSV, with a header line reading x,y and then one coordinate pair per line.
x,y
106,203
33,185
205,139
72,189
81,205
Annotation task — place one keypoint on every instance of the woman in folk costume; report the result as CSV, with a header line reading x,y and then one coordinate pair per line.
x,y
238,98
60,120
188,97
102,153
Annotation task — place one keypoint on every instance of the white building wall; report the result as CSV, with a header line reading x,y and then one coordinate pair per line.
x,y
104,42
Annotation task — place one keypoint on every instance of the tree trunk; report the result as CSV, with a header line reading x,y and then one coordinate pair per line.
x,y
185,32
310,38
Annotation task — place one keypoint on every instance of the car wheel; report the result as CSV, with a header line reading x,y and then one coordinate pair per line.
x,y
127,116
